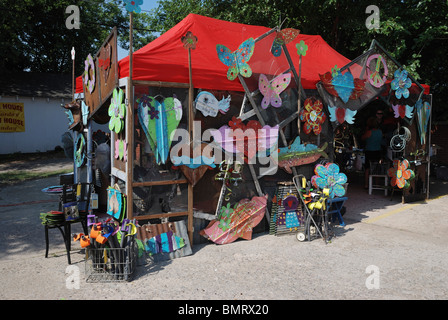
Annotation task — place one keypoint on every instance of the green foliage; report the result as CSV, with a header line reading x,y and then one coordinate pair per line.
x,y
34,37
413,31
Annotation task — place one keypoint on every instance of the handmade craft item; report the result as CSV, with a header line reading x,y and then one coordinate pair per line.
x,y
159,120
312,115
237,222
116,203
292,216
400,174
194,167
423,110
80,150
399,139
343,86
89,73
166,242
85,113
117,111
299,154
340,115
69,114
271,89
237,61
401,84
284,36
302,48
251,140
189,40
209,105
377,70
133,5
104,61
329,177
121,149
229,174
402,111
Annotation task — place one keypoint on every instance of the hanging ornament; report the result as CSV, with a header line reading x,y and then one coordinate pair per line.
x,y
89,73
312,115
237,61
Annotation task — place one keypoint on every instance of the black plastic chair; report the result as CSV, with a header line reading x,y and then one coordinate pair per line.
x,y
58,219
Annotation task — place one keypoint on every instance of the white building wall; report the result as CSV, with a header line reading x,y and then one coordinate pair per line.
x,y
45,122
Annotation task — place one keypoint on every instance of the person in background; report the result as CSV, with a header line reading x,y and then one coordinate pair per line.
x,y
373,145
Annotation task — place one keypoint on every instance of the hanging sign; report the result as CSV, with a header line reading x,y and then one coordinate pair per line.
x,y
12,117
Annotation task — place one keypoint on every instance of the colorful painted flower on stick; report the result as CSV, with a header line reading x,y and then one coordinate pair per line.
x,y
189,40
328,176
133,5
400,174
302,48
401,84
117,111
313,116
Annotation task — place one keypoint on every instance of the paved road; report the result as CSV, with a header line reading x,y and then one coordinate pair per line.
x,y
387,250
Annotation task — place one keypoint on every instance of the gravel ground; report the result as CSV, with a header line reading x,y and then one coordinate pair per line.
x,y
387,250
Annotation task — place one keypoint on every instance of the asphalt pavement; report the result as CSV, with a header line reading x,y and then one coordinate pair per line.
x,y
386,250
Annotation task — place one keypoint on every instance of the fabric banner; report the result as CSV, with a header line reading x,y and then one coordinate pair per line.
x,y
12,117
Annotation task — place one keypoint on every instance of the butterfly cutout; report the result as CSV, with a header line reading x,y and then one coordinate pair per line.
x,y
341,114
271,90
237,61
401,111
159,120
284,36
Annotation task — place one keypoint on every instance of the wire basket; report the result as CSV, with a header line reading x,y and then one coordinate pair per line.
x,y
111,264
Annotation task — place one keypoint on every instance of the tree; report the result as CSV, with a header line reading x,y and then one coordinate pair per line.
x,y
34,36
413,31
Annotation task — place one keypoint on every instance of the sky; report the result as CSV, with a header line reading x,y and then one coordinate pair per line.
x,y
147,5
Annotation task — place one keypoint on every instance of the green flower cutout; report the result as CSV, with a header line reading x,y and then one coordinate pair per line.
x,y
224,224
117,111
301,48
226,211
335,71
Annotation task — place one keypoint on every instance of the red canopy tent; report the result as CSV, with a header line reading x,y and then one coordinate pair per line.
x,y
165,58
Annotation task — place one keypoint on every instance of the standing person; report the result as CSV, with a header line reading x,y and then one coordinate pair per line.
x,y
373,146
380,118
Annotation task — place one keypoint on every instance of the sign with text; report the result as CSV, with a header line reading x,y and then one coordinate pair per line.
x,y
12,117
